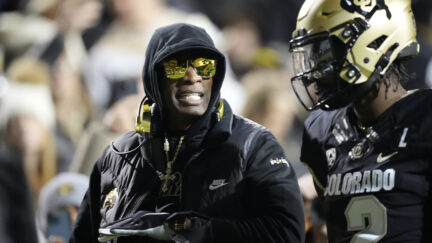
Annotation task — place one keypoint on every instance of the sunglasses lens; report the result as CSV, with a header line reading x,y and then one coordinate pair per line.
x,y
173,70
204,67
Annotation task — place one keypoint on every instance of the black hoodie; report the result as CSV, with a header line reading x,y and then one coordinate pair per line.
x,y
235,173
166,42
172,39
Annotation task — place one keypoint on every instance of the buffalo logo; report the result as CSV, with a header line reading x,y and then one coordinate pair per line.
x,y
365,7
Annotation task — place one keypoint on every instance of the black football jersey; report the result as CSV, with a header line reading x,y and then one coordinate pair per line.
x,y
375,182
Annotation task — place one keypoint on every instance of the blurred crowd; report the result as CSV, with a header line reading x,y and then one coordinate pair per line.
x,y
70,82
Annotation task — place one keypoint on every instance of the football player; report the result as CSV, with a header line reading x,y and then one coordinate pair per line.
x,y
368,143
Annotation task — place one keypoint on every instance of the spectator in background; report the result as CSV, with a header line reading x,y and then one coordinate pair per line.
x,y
421,66
119,118
27,121
243,43
72,109
17,223
275,19
71,18
254,29
271,103
50,33
115,61
58,207
21,30
6,6
27,136
43,29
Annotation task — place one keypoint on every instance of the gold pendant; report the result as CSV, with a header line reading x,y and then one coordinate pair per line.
x,y
165,181
167,177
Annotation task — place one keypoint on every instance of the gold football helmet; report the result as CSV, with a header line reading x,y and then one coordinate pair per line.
x,y
341,47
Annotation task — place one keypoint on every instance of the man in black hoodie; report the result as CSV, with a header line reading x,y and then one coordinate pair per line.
x,y
192,171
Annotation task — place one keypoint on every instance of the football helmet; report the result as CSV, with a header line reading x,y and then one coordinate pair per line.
x,y
340,48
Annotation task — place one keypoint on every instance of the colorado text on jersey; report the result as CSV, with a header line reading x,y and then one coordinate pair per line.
x,y
360,182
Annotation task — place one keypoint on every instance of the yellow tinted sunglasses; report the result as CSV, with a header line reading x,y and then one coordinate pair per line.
x,y
204,67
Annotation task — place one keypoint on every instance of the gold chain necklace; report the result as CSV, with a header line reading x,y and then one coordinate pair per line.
x,y
165,178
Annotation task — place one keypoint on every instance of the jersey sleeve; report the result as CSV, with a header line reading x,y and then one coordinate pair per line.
x,y
312,153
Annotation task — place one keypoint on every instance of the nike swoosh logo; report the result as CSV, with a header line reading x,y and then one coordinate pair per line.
x,y
159,210
382,158
214,187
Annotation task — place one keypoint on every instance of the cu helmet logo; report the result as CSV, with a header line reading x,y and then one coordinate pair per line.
x,y
364,7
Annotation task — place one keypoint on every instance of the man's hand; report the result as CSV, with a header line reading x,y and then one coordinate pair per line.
x,y
188,227
142,223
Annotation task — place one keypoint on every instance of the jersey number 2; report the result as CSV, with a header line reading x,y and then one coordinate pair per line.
x,y
360,208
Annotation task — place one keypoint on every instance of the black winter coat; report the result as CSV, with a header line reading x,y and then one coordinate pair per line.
x,y
260,202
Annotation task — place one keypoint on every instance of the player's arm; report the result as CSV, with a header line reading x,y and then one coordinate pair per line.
x,y
312,154
319,188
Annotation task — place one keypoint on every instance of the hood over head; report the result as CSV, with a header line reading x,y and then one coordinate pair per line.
x,y
172,39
